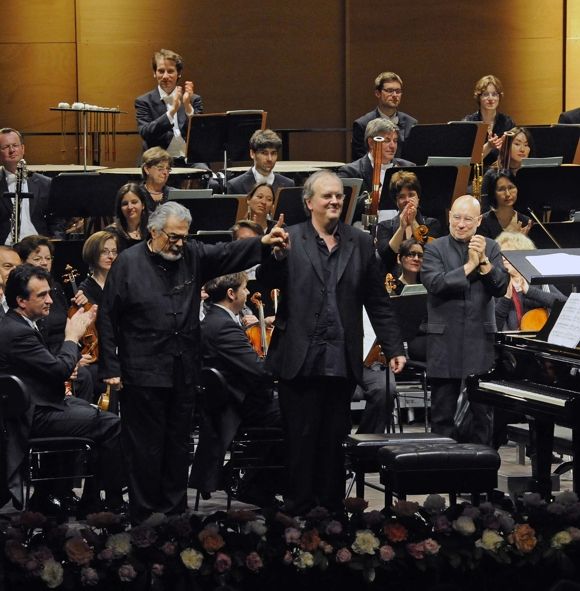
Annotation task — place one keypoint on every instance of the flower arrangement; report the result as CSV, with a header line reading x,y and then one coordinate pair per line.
x,y
404,547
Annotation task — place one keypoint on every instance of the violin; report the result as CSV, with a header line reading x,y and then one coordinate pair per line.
x,y
90,341
259,334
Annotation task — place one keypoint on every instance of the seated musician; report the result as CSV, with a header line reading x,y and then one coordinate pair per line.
x,y
520,296
35,217
163,114
131,215
410,259
405,190
260,205
518,144
388,92
9,259
363,167
224,346
265,145
24,353
502,217
488,93
155,169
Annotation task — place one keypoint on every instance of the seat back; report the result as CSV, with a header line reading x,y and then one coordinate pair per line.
x,y
14,397
214,390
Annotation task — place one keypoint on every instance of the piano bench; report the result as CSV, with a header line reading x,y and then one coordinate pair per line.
x,y
433,467
362,448
519,433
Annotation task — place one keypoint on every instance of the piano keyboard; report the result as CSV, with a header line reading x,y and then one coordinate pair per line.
x,y
521,394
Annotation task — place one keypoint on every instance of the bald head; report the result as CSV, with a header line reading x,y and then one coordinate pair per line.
x,y
464,218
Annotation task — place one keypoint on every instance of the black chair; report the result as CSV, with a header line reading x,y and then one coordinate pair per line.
x,y
48,458
246,450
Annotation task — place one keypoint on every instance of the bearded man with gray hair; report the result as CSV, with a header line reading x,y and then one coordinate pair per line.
x,y
149,338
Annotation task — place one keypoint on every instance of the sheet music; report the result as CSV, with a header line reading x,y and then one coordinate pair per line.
x,y
565,331
560,263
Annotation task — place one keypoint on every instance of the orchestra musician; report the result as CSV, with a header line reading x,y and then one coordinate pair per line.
x,y
131,216
326,276
9,259
265,146
388,92
225,346
163,113
405,191
260,204
462,272
155,169
410,259
502,217
148,327
488,93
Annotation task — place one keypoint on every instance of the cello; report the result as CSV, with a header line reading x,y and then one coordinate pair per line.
x,y
259,334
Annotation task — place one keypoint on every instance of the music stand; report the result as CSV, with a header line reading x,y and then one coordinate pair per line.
x,y
411,311
558,140
211,213
519,260
214,137
567,235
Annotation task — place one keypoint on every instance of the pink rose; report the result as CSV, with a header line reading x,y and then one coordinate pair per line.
x,y
333,527
292,535
127,573
431,546
386,553
89,576
168,548
105,554
157,569
254,562
417,551
343,555
223,563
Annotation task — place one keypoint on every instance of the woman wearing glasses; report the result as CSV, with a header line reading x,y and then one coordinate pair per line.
x,y
502,217
410,260
156,168
99,253
487,93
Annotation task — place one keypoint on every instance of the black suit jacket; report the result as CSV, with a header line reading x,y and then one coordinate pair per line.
x,y
152,121
225,346
300,278
39,186
358,147
572,116
243,184
23,353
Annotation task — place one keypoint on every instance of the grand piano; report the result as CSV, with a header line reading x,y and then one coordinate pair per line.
x,y
542,381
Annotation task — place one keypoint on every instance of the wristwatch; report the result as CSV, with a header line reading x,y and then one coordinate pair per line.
x,y
484,262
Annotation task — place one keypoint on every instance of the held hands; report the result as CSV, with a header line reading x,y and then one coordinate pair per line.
x,y
177,100
77,325
409,214
397,363
187,96
525,229
115,383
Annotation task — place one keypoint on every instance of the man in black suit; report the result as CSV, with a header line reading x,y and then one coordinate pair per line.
x,y
570,117
364,166
148,327
463,273
388,90
265,145
35,217
225,347
23,353
163,113
325,278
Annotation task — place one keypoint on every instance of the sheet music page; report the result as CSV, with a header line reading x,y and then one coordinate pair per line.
x,y
369,334
565,332
560,263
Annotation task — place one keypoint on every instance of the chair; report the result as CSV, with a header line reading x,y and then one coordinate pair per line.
x,y
247,446
48,458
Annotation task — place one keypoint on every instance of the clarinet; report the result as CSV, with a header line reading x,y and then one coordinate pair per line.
x,y
15,219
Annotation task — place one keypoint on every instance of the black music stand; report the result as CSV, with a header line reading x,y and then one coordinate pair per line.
x,y
519,260
211,213
567,234
437,187
411,311
216,137
441,139
553,190
557,140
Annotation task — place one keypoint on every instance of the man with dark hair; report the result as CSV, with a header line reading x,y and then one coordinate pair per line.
x,y
225,346
265,145
388,90
326,277
163,113
148,329
34,215
23,353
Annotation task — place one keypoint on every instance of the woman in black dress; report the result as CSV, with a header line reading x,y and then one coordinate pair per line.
x,y
131,216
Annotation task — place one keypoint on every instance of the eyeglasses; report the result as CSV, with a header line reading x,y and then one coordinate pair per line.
x,y
490,94
109,252
38,259
392,90
175,238
339,196
507,189
467,219
161,168
414,255
9,147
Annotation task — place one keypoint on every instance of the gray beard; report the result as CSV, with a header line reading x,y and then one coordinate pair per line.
x,y
169,256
